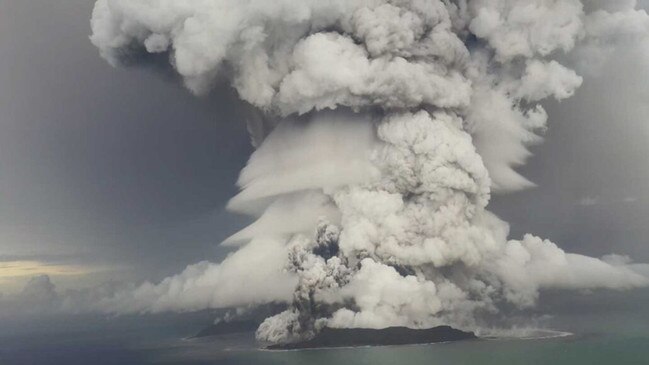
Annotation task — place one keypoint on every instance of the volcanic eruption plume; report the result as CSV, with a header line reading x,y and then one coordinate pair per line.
x,y
383,127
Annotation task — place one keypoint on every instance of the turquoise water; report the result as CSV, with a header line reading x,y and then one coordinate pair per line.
x,y
627,350
608,328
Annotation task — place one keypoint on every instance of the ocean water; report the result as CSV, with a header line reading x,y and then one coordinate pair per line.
x,y
606,328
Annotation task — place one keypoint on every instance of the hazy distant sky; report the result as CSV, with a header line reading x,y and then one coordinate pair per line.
x,y
124,172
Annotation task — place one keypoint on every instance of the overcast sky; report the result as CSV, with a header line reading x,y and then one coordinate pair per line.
x,y
102,166
124,172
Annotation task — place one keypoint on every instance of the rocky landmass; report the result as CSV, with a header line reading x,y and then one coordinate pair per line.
x,y
351,337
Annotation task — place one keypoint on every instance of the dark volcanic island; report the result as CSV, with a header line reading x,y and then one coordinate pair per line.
x,y
351,337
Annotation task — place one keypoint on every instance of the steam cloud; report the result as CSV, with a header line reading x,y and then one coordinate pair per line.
x,y
391,124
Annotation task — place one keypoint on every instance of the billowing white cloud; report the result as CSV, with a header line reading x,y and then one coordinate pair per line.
x,y
252,275
436,103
